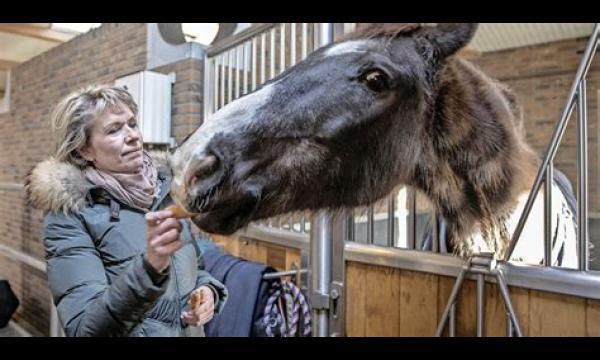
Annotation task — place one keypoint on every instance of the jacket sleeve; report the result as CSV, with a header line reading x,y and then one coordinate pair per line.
x,y
87,304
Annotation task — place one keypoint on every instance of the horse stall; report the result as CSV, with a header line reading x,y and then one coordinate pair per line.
x,y
368,271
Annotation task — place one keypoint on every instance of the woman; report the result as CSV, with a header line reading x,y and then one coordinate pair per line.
x,y
119,263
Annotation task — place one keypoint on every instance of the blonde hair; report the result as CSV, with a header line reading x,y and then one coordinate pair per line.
x,y
74,116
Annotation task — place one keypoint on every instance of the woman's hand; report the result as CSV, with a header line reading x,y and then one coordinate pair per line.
x,y
163,236
201,307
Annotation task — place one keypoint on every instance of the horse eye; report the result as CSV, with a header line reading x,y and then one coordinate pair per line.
x,y
376,80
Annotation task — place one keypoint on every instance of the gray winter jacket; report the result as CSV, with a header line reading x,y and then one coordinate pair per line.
x,y
100,281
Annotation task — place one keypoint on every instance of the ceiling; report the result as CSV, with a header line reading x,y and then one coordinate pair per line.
x,y
23,41
502,36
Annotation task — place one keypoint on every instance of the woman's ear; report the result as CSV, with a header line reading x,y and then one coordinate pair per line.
x,y
87,153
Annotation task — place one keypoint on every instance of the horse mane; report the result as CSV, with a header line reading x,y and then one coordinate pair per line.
x,y
383,30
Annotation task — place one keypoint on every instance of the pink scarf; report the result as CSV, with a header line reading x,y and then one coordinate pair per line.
x,y
137,190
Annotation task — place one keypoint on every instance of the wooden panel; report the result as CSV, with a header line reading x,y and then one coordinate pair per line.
x,y
382,301
276,257
466,311
292,256
230,243
556,315
356,281
253,250
520,300
445,285
592,317
418,303
495,312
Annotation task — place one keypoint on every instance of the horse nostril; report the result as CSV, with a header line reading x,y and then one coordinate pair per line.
x,y
203,168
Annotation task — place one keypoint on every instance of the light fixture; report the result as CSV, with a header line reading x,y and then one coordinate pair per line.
x,y
203,33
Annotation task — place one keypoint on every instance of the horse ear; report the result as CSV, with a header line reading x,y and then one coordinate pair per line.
x,y
448,38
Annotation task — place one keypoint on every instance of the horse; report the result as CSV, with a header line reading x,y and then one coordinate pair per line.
x,y
386,106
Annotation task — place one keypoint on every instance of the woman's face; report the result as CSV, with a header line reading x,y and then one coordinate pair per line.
x,y
115,143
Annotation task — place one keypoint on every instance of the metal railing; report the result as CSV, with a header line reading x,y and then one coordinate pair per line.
x,y
56,329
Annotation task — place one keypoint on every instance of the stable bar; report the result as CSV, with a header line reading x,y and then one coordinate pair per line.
x,y
508,304
350,225
208,100
548,215
246,66
304,40
237,71
509,326
582,188
282,48
451,301
293,44
229,75
254,41
222,98
275,275
216,85
263,55
412,219
391,219
370,226
435,221
320,265
321,245
272,54
452,325
480,305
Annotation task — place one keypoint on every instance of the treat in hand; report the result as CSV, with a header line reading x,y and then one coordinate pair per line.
x,y
196,299
179,212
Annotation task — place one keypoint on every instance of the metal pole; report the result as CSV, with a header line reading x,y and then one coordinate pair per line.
x,y
370,226
452,300
254,65
321,241
548,215
509,326
582,188
246,62
337,311
237,70
320,264
452,325
435,220
391,219
282,48
509,307
208,94
412,218
293,44
480,305
556,137
222,97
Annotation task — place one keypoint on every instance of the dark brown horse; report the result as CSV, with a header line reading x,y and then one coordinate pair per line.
x,y
391,104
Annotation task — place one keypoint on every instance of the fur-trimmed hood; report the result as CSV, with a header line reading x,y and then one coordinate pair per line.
x,y
59,186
